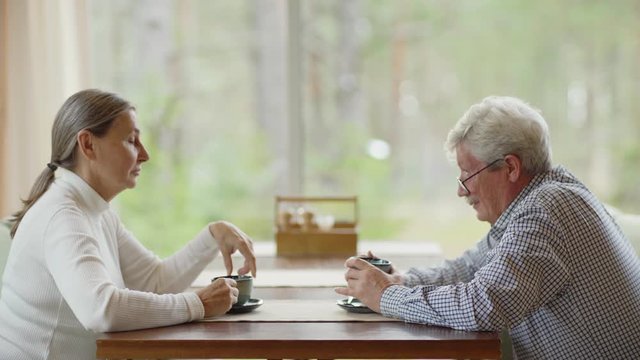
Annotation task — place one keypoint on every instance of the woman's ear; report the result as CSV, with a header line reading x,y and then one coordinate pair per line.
x,y
86,144
514,167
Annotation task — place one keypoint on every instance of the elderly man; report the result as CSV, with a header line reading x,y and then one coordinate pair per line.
x,y
554,269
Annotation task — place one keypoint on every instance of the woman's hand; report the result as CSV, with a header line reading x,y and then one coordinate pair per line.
x,y
231,239
218,297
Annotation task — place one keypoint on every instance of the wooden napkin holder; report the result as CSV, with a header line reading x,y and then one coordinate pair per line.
x,y
300,233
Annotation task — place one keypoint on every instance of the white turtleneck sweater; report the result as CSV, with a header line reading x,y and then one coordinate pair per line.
x,y
74,271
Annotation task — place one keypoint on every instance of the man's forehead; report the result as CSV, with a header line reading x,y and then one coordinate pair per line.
x,y
464,156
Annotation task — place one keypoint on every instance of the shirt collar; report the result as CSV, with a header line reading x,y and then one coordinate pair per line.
x,y
500,225
69,180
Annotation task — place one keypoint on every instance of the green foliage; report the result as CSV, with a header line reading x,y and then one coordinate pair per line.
x,y
350,171
628,195
211,159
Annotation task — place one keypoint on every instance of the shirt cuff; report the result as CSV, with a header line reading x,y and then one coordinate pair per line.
x,y
194,305
391,301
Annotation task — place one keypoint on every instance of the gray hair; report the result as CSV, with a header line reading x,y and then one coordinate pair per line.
x,y
92,110
499,126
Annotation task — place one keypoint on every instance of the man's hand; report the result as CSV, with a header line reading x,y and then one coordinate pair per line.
x,y
397,277
231,239
365,282
218,297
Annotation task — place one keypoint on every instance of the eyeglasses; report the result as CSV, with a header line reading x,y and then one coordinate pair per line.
x,y
461,182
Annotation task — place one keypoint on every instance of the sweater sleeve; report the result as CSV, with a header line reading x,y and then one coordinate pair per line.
x,y
77,265
145,271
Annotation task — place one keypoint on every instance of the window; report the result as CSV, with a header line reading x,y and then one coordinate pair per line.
x,y
243,100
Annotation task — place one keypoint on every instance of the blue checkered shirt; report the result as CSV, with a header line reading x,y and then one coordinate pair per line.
x,y
555,270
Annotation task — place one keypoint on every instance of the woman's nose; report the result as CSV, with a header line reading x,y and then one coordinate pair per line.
x,y
143,155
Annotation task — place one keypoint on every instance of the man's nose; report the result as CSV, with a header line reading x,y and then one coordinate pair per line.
x,y
462,192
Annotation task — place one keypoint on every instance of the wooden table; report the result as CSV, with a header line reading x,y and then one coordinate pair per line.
x,y
299,340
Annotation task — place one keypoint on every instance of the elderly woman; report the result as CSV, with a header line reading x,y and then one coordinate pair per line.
x,y
74,270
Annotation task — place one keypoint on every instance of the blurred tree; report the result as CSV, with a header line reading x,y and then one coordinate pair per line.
x,y
210,78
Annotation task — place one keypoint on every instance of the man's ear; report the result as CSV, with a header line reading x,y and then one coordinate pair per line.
x,y
86,144
514,167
